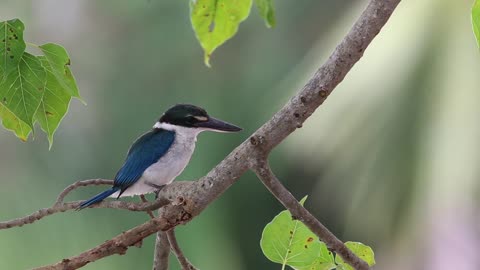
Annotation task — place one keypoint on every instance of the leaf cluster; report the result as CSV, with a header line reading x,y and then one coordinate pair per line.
x,y
289,242
33,88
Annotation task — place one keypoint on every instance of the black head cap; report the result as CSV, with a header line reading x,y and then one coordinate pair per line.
x,y
184,115
187,115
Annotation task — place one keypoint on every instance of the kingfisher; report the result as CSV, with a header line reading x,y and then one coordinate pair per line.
x,y
157,157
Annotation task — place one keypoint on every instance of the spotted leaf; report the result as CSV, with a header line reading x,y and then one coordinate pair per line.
x,y
22,90
290,242
364,252
56,57
216,21
55,101
14,124
12,46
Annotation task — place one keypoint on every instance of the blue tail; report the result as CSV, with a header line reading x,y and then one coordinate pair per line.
x,y
98,198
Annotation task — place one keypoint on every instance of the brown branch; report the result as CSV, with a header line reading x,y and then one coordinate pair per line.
x,y
193,198
150,213
162,252
264,172
82,183
117,245
60,206
184,263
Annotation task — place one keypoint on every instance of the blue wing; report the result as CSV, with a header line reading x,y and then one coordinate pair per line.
x,y
145,151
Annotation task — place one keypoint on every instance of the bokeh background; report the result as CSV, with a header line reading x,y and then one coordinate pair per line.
x,y
391,159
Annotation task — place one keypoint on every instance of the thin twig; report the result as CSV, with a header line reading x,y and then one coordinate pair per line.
x,y
82,183
162,252
184,263
264,172
150,213
60,206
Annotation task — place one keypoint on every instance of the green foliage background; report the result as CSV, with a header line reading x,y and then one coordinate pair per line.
x,y
390,158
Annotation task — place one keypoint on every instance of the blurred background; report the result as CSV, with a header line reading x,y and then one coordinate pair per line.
x,y
391,159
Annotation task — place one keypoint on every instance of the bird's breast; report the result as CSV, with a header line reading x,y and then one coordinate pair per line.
x,y
170,165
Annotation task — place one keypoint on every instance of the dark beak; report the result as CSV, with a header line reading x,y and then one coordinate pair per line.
x,y
218,125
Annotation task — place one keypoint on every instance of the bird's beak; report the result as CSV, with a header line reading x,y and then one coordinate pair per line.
x,y
217,125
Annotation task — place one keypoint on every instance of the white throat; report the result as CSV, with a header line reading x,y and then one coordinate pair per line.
x,y
179,130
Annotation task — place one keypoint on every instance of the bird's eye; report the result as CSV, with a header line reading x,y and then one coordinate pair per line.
x,y
191,119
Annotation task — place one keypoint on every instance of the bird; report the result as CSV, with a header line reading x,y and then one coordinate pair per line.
x,y
157,157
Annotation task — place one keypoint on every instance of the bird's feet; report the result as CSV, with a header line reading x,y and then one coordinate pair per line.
x,y
157,188
156,192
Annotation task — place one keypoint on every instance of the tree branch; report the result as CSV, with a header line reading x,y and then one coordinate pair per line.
x,y
264,172
117,245
162,252
186,265
59,206
149,213
191,199
82,183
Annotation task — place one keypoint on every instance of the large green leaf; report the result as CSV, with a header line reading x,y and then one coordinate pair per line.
x,y
216,21
362,251
11,122
33,88
290,242
55,100
57,58
265,7
12,46
476,20
22,90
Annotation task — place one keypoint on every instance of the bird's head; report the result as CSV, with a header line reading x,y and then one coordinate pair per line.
x,y
192,117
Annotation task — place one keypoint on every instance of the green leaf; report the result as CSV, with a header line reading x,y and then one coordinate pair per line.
x,y
216,21
324,261
22,90
265,7
33,88
57,58
290,242
364,252
13,123
55,100
12,46
476,20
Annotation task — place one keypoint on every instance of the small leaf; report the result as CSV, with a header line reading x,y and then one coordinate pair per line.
x,y
216,21
58,60
324,261
290,242
22,90
13,123
265,7
476,20
12,46
364,252
54,104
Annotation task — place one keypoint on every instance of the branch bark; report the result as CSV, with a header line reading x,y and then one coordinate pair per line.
x,y
162,252
60,206
189,200
184,263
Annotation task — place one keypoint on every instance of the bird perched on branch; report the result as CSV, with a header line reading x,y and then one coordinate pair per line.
x,y
160,155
